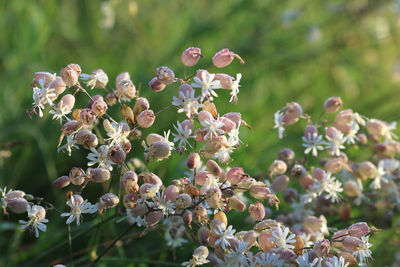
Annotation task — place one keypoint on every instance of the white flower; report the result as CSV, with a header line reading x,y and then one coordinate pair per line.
x,y
269,259
313,143
78,207
235,88
389,135
235,257
174,242
278,120
42,96
182,135
330,185
363,252
207,85
210,183
69,145
3,193
337,262
60,112
100,156
116,133
233,139
199,257
223,154
351,136
335,143
281,238
166,137
95,79
134,219
224,235
212,128
187,103
166,206
36,219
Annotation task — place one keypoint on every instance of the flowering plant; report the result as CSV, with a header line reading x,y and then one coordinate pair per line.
x,y
202,200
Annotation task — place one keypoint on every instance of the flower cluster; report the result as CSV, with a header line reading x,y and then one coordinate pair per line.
x,y
201,200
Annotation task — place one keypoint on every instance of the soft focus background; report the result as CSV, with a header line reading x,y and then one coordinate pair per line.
x,y
302,51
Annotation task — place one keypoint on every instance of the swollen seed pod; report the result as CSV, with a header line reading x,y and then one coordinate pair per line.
x,y
352,243
159,150
213,198
153,217
17,205
151,178
111,99
139,210
298,171
221,216
77,176
367,169
228,126
257,211
193,161
260,191
224,57
100,77
333,104
14,194
294,110
290,195
334,165
351,189
191,56
75,67
264,241
99,175
140,105
359,229
187,217
213,167
86,138
251,238
108,201
87,116
156,86
203,235
129,180
69,76
67,102
298,245
61,182
165,75
224,79
93,99
116,154
146,118
348,258
46,77
377,127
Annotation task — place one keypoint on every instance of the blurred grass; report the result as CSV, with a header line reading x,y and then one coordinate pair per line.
x,y
294,51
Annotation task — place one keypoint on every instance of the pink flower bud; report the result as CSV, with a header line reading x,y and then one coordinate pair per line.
x,y
367,169
153,217
99,175
288,119
146,118
377,127
362,138
213,167
86,138
108,201
236,204
236,117
121,77
224,79
69,76
185,89
87,116
333,104
277,167
187,217
294,109
193,161
61,182
322,247
224,57
201,177
155,85
343,120
77,176
183,201
39,212
280,183
331,132
235,175
153,137
205,115
228,124
14,194
171,192
260,191
159,150
352,243
58,85
126,90
257,211
334,165
140,105
71,127
318,173
151,178
191,56
359,229
116,154
165,75
286,155
130,200
129,180
99,107
17,205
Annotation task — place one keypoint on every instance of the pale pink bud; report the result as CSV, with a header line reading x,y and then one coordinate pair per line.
x,y
153,137
187,217
288,119
75,67
235,175
71,127
334,165
183,201
260,191
294,109
264,241
130,200
257,211
203,235
159,150
224,79
362,138
213,198
165,75
116,154
224,57
333,104
277,167
99,175
46,77
228,124
322,247
151,178
359,229
185,89
17,205
290,195
14,194
306,181
213,167
343,120
69,76
236,204
61,182
191,56
77,176
155,85
286,155
121,77
108,201
236,117
367,169
205,115
171,192
86,138
129,181
153,217
280,183
99,107
201,177
351,189
58,85
331,132
193,161
318,173
87,116
352,243
126,90
310,131
146,118
377,127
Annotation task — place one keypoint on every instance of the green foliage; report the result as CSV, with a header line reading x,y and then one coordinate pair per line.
x,y
345,48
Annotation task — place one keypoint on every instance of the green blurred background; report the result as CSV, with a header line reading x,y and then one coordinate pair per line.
x,y
302,51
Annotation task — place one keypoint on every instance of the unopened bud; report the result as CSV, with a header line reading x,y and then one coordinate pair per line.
x,y
280,183
108,201
213,167
333,104
77,176
322,247
224,57
17,205
352,243
159,150
277,167
153,217
193,161
66,103
257,211
146,118
171,192
286,155
99,175
191,56
156,86
260,191
165,75
334,165
359,229
116,154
